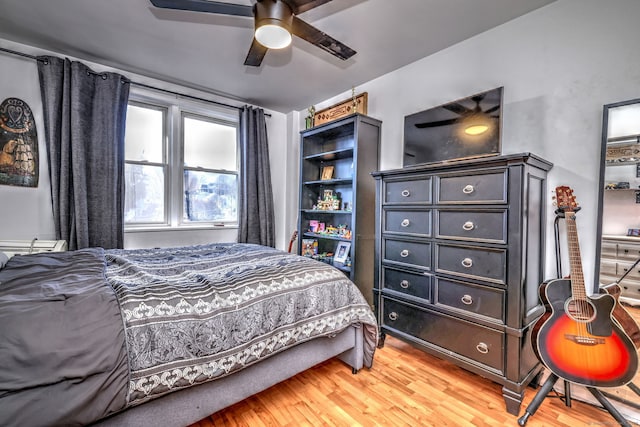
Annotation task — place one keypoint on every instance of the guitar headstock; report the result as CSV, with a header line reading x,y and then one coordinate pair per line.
x,y
565,200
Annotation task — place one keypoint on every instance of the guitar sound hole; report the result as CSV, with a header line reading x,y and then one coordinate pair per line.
x,y
580,310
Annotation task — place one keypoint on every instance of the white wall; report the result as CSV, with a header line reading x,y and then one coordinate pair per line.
x,y
26,213
559,65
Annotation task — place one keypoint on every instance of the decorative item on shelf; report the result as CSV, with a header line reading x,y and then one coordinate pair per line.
x,y
327,172
347,263
617,186
313,226
342,252
623,153
309,247
326,257
329,202
346,206
331,230
321,227
342,109
633,232
309,120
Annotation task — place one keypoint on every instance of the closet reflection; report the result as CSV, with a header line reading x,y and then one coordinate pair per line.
x,y
620,199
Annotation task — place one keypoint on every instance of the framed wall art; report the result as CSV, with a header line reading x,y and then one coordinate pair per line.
x,y
18,144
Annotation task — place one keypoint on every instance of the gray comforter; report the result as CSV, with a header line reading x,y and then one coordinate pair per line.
x,y
88,333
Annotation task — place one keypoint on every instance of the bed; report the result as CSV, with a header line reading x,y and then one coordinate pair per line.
x,y
166,337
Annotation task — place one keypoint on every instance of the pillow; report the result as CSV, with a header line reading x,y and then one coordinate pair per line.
x,y
3,259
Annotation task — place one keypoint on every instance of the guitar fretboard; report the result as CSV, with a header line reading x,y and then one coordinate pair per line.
x,y
575,259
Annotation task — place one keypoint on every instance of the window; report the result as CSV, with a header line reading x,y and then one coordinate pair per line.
x,y
181,164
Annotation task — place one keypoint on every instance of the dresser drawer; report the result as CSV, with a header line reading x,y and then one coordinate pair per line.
x,y
415,190
467,339
608,267
416,254
623,267
608,249
473,262
417,222
471,298
410,284
485,226
473,188
628,252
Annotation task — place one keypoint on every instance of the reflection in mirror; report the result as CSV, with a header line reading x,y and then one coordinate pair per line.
x,y
620,198
618,250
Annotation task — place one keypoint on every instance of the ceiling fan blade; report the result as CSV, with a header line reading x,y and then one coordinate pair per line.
x,y
436,124
457,108
492,109
300,6
205,6
256,54
323,41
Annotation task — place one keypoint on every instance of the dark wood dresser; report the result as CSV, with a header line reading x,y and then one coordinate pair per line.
x,y
460,254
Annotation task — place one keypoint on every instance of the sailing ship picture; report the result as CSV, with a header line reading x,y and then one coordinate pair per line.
x,y
18,144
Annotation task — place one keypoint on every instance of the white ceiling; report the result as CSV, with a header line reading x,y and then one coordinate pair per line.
x,y
207,51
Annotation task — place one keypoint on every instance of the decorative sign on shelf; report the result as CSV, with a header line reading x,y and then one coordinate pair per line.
x,y
355,104
623,153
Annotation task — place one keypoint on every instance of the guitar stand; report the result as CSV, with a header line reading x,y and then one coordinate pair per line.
x,y
553,378
548,385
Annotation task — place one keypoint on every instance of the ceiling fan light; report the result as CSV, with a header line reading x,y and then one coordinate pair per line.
x,y
273,36
477,129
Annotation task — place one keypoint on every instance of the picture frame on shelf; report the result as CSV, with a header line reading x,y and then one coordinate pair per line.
x,y
327,172
342,252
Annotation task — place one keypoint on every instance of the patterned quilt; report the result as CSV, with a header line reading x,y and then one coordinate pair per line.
x,y
195,314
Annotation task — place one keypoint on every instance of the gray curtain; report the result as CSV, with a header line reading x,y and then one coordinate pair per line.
x,y
256,219
84,118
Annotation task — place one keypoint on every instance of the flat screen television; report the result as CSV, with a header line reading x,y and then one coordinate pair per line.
x,y
463,129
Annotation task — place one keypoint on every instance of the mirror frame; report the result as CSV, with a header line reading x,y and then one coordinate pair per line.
x,y
603,166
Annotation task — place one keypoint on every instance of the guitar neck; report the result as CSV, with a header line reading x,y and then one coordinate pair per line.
x,y
575,259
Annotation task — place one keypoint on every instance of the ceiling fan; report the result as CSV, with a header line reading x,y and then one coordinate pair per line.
x,y
469,115
275,22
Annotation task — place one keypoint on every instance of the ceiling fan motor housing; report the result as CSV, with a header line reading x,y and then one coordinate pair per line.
x,y
273,12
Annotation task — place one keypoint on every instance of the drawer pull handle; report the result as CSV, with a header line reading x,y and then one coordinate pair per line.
x,y
405,222
466,299
467,263
405,193
404,253
404,284
468,189
468,226
393,315
482,348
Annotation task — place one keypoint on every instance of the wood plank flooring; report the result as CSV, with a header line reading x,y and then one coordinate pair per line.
x,y
405,387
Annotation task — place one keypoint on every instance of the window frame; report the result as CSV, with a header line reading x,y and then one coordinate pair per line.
x,y
177,108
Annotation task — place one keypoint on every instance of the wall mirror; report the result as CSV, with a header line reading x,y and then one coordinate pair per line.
x,y
619,203
618,248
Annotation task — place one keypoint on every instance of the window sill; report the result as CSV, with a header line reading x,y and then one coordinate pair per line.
x,y
208,227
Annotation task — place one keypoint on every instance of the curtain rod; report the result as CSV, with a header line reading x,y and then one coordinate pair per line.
x,y
35,58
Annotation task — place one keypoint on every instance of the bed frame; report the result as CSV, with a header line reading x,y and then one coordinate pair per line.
x,y
187,406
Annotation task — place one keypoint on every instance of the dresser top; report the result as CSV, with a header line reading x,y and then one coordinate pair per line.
x,y
483,162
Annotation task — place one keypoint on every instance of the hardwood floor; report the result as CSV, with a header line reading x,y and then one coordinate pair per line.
x,y
405,387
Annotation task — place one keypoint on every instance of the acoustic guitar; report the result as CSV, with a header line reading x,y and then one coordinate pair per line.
x,y
293,238
577,337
